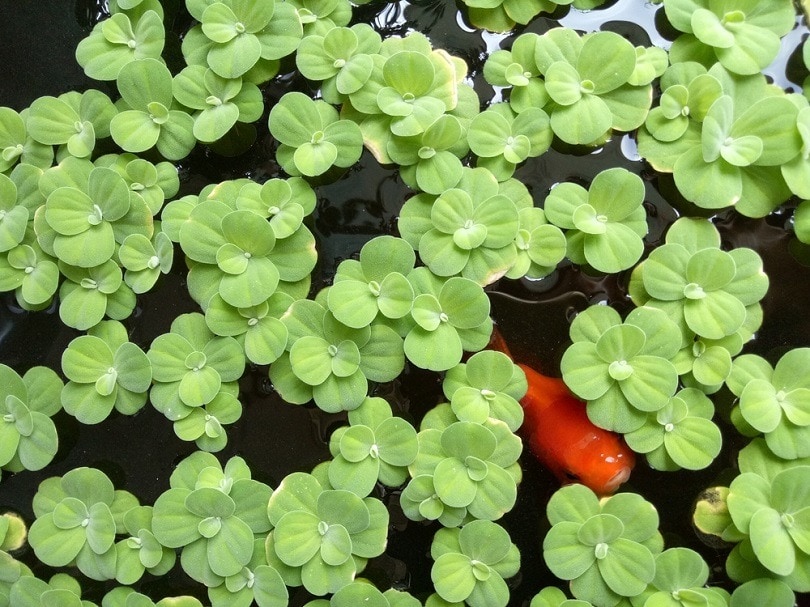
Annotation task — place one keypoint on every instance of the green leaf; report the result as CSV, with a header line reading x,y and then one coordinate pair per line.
x,y
86,359
230,549
354,303
708,28
693,443
356,443
209,502
607,60
627,568
760,406
651,384
347,138
81,308
742,151
748,494
771,542
615,250
173,524
294,119
563,554
563,83
235,57
199,386
770,591
639,517
582,122
358,477
255,18
496,493
296,537
336,545
214,122
488,133
452,577
616,193
311,359
754,47
453,484
574,503
711,185
38,449
341,393
70,513
463,439
679,568
52,545
715,315
134,130
101,528
396,440
602,528
585,372
86,403
52,121
409,72
143,82
620,343
176,136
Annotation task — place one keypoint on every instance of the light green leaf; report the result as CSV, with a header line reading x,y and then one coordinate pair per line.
x,y
627,568
693,443
452,577
582,122
771,542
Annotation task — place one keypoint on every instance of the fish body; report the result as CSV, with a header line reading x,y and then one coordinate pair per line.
x,y
564,440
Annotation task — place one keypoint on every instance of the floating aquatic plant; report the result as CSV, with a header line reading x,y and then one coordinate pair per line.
x,y
106,371
330,362
469,230
450,316
606,549
236,36
17,146
72,119
213,514
622,368
463,471
375,285
376,446
326,535
75,522
743,36
774,400
705,289
116,41
148,118
679,435
604,224
488,385
29,437
471,563
341,59
219,103
313,138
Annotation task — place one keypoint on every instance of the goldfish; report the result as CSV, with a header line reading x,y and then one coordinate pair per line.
x,y
565,441
563,438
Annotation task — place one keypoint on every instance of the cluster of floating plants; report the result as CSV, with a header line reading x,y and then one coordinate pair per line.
x,y
90,220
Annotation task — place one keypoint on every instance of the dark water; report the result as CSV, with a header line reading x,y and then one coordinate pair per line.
x,y
37,40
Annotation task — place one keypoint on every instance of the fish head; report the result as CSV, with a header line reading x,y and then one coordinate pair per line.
x,y
602,470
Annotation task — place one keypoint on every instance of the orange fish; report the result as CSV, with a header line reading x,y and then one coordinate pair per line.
x,y
566,442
